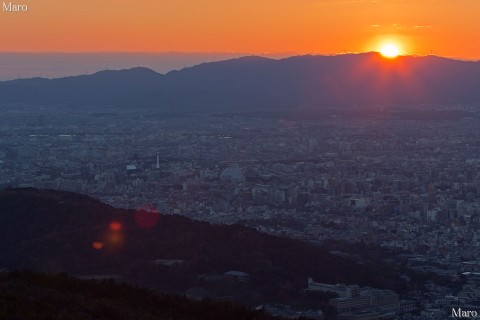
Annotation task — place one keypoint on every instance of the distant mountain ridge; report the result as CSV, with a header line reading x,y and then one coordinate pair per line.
x,y
347,80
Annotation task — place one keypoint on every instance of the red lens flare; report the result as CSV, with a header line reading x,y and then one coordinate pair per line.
x,y
115,226
146,217
97,245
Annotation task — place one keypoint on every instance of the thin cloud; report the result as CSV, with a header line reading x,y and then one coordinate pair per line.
x,y
401,26
371,1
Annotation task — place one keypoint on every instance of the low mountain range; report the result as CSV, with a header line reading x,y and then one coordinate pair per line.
x,y
316,82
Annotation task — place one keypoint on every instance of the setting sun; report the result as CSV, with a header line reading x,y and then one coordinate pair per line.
x,y
390,51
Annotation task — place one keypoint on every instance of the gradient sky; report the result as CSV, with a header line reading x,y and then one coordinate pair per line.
x,y
444,27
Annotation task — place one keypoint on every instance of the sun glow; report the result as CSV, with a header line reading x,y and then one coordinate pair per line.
x,y
390,51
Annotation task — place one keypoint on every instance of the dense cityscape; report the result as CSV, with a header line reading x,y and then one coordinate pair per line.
x,y
406,185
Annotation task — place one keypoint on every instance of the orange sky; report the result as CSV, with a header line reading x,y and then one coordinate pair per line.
x,y
444,27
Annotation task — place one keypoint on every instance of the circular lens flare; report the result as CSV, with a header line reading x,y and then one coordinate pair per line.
x,y
97,245
390,51
146,217
115,226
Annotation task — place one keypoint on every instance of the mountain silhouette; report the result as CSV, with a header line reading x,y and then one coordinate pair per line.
x,y
54,231
316,82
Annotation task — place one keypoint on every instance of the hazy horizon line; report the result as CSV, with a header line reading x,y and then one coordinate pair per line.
x,y
245,53
51,65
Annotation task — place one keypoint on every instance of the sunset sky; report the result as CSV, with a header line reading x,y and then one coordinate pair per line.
x,y
442,27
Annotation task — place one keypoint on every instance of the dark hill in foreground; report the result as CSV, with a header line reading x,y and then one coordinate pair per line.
x,y
312,82
27,295
57,231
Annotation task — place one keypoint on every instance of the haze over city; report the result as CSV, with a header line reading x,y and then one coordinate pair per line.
x,y
257,160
